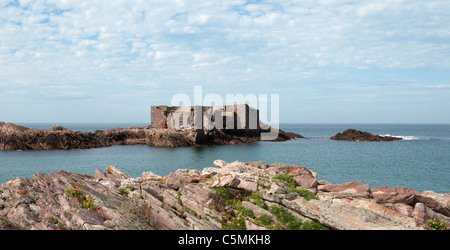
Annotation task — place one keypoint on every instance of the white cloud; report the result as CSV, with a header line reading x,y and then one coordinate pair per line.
x,y
437,85
94,44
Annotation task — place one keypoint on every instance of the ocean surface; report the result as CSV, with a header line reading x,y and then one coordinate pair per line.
x,y
421,161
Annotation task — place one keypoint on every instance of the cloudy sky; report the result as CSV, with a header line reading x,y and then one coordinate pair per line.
x,y
383,61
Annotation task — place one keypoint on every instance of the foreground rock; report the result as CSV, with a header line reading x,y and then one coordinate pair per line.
x,y
252,195
14,137
356,135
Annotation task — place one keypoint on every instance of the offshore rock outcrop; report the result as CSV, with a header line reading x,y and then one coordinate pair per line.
x,y
237,195
14,137
356,135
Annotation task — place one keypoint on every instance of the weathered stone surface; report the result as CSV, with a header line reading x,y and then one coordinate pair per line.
x,y
353,214
251,226
442,199
201,200
257,211
323,182
165,219
393,195
303,177
246,183
150,176
116,174
355,187
175,180
257,164
423,213
99,174
59,128
220,163
307,179
10,128
275,189
189,172
226,181
436,202
6,224
32,203
401,208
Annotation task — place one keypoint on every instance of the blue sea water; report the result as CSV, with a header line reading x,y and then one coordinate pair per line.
x,y
420,161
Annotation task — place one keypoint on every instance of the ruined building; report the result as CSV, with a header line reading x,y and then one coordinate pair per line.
x,y
237,118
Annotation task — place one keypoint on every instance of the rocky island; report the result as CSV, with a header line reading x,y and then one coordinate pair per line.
x,y
237,195
14,137
356,135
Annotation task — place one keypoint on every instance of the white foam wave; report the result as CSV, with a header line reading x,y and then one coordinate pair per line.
x,y
404,137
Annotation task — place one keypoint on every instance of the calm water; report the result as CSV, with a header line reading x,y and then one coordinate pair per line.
x,y
421,161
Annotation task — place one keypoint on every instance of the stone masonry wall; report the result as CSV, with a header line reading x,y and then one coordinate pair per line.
x,y
231,117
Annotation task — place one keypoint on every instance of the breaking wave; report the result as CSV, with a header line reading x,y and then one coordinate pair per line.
x,y
404,137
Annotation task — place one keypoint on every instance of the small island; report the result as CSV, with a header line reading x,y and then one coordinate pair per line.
x,y
356,135
170,127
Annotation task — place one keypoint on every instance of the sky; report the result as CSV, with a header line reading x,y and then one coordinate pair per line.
x,y
330,61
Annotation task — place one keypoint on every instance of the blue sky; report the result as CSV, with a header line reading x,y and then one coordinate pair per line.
x,y
384,61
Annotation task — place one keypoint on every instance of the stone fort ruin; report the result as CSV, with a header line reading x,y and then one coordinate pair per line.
x,y
229,118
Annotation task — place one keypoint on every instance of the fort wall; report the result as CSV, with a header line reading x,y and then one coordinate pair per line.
x,y
238,117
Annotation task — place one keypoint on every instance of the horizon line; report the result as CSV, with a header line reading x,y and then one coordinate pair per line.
x,y
363,123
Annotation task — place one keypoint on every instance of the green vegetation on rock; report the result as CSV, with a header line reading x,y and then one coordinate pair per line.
x,y
86,201
287,178
293,187
437,225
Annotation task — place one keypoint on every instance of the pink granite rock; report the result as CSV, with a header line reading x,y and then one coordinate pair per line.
x,y
175,180
354,187
393,195
186,200
431,203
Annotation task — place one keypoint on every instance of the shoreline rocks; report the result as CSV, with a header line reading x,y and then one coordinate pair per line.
x,y
356,135
236,195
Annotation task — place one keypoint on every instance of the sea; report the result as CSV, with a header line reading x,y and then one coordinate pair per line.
x,y
420,161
